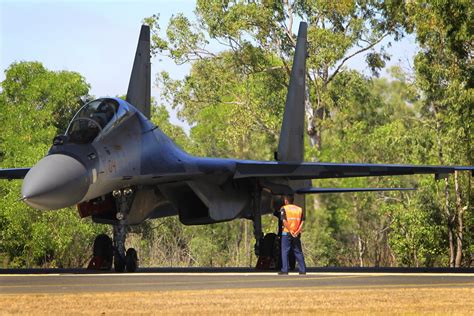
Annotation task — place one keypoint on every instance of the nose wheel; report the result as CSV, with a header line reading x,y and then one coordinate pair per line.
x,y
128,263
131,260
103,253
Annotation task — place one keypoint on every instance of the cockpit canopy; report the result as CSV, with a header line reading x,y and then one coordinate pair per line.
x,y
96,118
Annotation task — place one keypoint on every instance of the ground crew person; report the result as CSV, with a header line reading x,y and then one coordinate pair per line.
x,y
293,218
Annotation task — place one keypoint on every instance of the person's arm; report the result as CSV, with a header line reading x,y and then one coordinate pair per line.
x,y
285,222
298,231
300,227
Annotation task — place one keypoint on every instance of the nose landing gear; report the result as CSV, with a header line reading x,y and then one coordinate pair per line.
x,y
123,259
107,251
104,254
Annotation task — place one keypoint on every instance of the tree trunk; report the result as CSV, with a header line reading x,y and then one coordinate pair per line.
x,y
361,246
415,258
460,228
361,249
239,242
449,216
314,117
450,219
383,251
247,244
311,128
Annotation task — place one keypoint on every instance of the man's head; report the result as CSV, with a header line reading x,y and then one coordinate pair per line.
x,y
288,199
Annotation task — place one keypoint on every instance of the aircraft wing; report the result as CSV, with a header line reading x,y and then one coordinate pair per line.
x,y
321,170
13,173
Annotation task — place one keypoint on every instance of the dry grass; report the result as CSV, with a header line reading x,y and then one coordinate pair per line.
x,y
249,301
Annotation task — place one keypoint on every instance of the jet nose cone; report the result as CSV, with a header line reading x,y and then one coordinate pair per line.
x,y
55,182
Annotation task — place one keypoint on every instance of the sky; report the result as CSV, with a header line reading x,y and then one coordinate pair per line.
x,y
98,39
95,38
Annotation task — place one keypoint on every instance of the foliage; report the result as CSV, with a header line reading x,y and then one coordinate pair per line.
x,y
220,102
444,73
35,104
254,32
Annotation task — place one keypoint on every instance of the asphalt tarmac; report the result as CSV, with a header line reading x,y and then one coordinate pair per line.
x,y
82,281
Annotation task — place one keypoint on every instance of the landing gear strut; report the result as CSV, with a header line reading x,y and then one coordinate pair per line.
x,y
264,245
123,259
120,234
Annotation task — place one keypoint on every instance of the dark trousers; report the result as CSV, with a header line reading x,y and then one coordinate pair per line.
x,y
288,243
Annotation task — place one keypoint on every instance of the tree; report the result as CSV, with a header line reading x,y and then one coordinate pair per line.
x,y
35,105
444,74
371,122
256,32
218,101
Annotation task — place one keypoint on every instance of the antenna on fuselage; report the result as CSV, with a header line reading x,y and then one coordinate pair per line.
x,y
139,87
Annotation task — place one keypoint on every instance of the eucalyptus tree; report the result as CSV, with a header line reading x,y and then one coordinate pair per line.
x,y
444,74
258,37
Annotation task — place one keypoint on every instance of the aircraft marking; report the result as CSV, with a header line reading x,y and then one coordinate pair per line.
x,y
112,166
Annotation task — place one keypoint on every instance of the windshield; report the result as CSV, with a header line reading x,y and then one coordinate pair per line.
x,y
91,119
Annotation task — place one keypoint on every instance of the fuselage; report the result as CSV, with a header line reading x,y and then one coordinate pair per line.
x,y
110,145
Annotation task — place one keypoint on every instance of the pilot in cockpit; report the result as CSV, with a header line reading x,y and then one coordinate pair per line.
x,y
104,113
91,119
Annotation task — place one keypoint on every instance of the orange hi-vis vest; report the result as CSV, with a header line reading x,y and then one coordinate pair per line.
x,y
293,217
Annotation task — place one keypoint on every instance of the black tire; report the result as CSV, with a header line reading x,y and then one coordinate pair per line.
x,y
119,263
268,244
277,252
131,260
103,247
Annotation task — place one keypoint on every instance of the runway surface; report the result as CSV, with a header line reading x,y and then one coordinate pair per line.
x,y
163,281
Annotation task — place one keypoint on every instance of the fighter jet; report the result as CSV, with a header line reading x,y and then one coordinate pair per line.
x,y
121,169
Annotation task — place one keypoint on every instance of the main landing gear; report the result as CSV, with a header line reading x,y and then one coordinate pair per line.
x,y
106,250
267,246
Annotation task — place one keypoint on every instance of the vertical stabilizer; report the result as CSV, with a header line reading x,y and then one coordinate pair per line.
x,y
291,146
139,87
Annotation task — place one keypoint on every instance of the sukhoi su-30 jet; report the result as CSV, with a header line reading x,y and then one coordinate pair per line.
x,y
121,169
